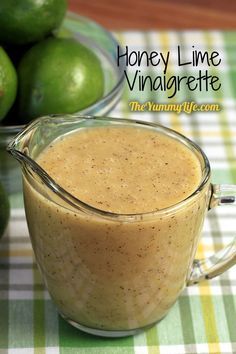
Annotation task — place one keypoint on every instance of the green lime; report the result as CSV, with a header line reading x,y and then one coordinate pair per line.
x,y
4,210
25,21
58,76
8,83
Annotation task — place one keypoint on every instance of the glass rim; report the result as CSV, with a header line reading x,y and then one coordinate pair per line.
x,y
30,164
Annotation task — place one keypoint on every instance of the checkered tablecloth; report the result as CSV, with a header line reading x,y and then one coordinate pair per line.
x,y
204,318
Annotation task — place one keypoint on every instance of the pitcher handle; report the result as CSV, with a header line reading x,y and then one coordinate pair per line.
x,y
224,259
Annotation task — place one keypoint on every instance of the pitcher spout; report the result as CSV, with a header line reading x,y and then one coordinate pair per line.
x,y
19,146
37,136
27,144
15,149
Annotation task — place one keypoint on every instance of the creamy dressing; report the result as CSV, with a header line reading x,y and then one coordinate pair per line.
x,y
106,273
123,170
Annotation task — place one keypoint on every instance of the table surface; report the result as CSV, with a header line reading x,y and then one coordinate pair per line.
x,y
164,14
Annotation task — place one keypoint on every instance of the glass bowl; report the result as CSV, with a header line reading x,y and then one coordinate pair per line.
x,y
104,45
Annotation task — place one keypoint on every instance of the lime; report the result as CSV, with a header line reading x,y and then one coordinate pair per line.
x,y
25,21
8,83
58,76
4,210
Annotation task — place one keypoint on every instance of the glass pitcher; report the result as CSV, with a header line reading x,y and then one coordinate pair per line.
x,y
114,274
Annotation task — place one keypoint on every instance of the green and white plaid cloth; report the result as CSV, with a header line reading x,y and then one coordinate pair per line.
x,y
204,318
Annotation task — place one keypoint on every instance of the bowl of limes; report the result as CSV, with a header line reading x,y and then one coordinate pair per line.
x,y
52,63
